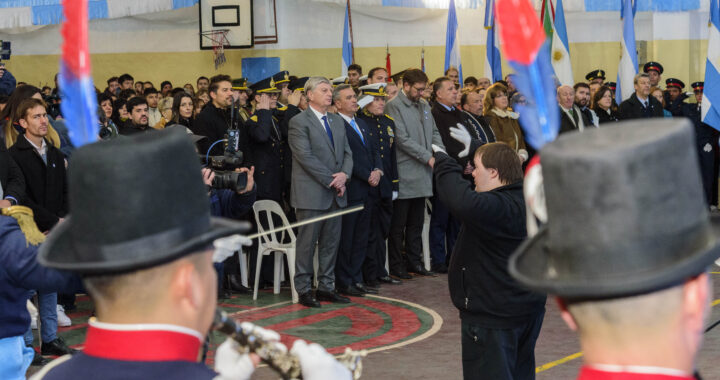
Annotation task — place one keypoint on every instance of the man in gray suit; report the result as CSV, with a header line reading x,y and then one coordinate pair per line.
x,y
322,164
415,133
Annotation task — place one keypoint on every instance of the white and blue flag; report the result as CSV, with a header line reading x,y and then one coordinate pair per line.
x,y
711,91
560,48
346,43
493,66
452,42
628,67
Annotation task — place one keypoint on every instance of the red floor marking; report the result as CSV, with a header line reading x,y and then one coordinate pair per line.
x,y
73,327
364,321
78,314
232,305
265,313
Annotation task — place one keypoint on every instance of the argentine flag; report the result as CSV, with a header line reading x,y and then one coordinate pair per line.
x,y
711,94
560,48
628,67
346,44
493,67
452,42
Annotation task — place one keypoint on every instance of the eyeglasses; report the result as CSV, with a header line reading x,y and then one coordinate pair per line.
x,y
420,89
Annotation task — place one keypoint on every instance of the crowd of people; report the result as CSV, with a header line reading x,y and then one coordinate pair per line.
x,y
315,145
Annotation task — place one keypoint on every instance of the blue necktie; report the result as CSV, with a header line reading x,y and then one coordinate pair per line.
x,y
357,129
327,129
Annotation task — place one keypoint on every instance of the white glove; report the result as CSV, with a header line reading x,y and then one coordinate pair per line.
x,y
226,246
436,148
264,334
395,195
317,364
523,155
230,364
462,135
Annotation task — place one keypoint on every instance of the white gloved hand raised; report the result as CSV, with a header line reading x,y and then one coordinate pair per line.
x,y
226,246
230,364
395,195
437,148
461,134
318,364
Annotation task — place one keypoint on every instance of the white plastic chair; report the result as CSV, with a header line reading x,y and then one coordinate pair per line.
x,y
273,243
426,234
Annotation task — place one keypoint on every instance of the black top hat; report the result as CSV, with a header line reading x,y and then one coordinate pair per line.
x,y
673,82
653,66
698,86
595,74
626,213
298,84
134,203
281,77
266,85
240,84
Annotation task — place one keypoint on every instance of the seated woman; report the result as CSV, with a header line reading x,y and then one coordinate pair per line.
x,y
602,104
503,121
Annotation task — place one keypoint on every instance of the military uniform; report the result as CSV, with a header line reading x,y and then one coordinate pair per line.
x,y
596,76
654,66
241,84
675,107
381,131
706,138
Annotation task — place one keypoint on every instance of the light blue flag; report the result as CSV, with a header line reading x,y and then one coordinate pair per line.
x,y
346,43
711,91
493,66
560,48
452,42
628,67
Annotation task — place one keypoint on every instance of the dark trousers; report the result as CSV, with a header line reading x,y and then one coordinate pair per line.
x,y
443,232
500,354
354,246
405,233
374,265
707,148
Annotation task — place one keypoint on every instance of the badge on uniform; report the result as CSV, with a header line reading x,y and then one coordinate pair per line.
x,y
707,148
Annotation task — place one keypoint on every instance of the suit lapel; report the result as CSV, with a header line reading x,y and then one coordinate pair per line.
x,y
318,124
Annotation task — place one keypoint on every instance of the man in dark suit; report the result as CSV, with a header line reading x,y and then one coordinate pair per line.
x,y
640,104
571,118
322,164
12,182
362,189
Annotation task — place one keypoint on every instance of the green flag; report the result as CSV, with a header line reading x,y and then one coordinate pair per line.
x,y
546,16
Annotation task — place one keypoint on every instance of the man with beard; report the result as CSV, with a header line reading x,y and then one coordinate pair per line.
x,y
582,101
138,122
214,119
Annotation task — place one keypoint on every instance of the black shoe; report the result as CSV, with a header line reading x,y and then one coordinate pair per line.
x,y
38,359
331,297
234,284
389,280
351,291
401,274
419,269
365,289
372,284
307,299
56,348
440,268
224,293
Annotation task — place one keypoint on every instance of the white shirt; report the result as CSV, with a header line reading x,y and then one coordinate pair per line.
x,y
320,116
42,150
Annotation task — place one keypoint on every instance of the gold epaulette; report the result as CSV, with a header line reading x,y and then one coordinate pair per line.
x,y
283,108
388,116
24,217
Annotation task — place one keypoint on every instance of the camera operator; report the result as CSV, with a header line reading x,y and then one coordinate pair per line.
x,y
7,81
214,119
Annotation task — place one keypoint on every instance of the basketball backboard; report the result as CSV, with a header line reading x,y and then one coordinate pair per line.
x,y
235,16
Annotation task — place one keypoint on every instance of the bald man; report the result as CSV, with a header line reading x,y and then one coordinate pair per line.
x,y
571,118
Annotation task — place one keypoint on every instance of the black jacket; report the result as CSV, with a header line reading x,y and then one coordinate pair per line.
x,y
381,130
366,158
568,125
605,117
45,185
289,113
129,128
677,106
266,150
213,123
493,226
633,109
11,177
444,120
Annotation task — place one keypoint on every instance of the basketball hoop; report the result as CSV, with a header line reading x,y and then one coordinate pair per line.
x,y
219,40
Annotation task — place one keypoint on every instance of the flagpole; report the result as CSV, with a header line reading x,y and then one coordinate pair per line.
x,y
352,39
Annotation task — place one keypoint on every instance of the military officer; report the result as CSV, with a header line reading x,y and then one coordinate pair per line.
x,y
381,131
596,76
706,138
654,70
674,96
282,80
241,93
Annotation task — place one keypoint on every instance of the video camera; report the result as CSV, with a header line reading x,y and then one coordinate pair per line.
x,y
224,166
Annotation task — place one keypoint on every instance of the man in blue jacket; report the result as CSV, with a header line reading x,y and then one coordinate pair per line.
x,y
20,273
500,320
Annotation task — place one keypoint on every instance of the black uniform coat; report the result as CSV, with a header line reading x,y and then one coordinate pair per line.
x,y
633,109
706,138
289,113
11,177
676,107
366,158
267,148
45,185
381,130
444,119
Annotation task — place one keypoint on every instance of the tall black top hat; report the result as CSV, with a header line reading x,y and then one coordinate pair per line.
x,y
134,203
626,213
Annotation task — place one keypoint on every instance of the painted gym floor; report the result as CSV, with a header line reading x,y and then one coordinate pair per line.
x,y
412,331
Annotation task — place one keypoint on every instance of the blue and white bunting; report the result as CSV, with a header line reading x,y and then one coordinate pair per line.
x,y
628,67
560,48
452,42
